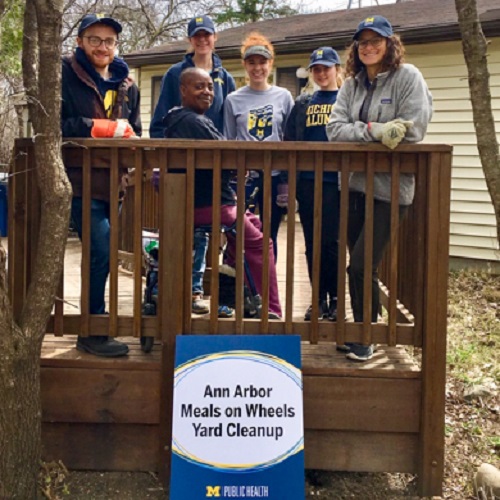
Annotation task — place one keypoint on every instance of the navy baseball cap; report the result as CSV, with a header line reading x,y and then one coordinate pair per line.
x,y
379,24
200,23
325,56
91,19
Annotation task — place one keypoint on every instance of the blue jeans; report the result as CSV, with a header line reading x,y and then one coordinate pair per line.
x,y
200,242
99,248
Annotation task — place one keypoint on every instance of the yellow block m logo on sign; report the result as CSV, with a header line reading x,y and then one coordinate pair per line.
x,y
213,491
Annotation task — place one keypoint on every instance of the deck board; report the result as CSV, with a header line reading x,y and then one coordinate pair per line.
x,y
320,359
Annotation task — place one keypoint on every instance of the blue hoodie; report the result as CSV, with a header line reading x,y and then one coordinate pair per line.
x,y
170,95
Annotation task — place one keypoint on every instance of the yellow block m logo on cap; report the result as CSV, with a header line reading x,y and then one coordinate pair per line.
x,y
319,53
199,20
369,20
213,491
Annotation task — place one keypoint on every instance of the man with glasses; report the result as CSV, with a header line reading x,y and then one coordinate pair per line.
x,y
99,100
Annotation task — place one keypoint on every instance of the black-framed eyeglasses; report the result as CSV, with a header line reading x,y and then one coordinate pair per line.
x,y
375,42
96,41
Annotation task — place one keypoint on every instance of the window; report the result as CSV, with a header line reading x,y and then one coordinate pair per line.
x,y
155,91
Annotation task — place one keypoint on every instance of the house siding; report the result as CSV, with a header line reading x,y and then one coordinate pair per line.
x,y
473,225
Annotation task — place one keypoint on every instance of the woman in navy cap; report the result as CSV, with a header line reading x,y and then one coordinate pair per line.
x,y
383,100
307,122
202,38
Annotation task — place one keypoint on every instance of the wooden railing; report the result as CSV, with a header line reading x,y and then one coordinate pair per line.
x,y
413,274
416,257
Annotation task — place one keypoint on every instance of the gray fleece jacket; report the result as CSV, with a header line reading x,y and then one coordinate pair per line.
x,y
394,94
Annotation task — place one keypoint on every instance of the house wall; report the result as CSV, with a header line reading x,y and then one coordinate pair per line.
x,y
473,225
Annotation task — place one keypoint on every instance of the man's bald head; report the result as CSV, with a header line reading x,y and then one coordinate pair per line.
x,y
197,89
190,73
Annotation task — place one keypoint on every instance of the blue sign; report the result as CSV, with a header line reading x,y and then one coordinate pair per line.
x,y
238,427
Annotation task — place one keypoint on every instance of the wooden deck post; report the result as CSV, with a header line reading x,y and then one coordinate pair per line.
x,y
23,166
431,459
171,293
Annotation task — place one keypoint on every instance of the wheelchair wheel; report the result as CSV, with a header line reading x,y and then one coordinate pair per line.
x,y
147,344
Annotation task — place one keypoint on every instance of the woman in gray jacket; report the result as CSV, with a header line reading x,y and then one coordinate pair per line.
x,y
383,100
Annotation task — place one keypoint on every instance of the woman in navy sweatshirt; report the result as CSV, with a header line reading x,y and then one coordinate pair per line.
x,y
307,122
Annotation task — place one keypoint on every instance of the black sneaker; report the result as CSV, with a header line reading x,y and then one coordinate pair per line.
x,y
322,311
102,345
332,310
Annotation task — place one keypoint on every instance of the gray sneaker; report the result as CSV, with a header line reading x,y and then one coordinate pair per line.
x,y
102,345
360,353
198,305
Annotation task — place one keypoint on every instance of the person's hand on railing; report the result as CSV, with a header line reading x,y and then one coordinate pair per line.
x,y
103,128
282,196
390,133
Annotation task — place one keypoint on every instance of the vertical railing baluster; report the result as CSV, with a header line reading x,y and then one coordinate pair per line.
x,y
240,238
342,264
163,166
268,201
316,262
113,242
59,307
86,220
290,240
420,203
368,250
216,224
188,263
393,268
138,242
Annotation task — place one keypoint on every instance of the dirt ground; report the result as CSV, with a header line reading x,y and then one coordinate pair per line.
x,y
327,486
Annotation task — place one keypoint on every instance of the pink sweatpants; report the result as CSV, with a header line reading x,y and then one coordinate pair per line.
x,y
253,243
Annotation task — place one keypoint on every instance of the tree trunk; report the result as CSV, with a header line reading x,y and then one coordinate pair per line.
x,y
475,52
20,414
21,338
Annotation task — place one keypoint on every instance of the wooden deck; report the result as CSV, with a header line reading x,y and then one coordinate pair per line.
x,y
302,287
113,404
385,415
105,416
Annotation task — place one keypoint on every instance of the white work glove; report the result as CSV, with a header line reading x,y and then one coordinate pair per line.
x,y
390,133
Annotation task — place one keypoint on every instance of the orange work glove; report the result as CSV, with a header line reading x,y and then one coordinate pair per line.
x,y
109,128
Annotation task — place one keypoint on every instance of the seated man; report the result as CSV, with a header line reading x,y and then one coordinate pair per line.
x,y
189,122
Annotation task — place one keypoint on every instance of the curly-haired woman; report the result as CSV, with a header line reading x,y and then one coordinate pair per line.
x,y
384,99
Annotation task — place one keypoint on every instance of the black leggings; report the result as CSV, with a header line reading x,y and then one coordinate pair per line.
x,y
329,233
276,211
356,244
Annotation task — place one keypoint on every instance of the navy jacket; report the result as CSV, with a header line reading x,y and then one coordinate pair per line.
x,y
170,94
184,123
81,102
